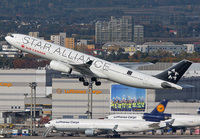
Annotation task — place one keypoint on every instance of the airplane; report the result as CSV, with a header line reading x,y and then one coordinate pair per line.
x,y
92,68
181,121
93,127
156,114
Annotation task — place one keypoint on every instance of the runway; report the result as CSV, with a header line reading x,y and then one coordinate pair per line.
x,y
123,137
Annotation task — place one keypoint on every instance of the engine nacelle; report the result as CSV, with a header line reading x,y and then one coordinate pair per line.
x,y
58,66
90,132
156,117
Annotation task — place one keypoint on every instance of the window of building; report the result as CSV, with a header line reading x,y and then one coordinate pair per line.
x,y
82,117
68,116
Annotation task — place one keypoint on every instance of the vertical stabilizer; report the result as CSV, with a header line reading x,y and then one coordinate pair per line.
x,y
158,114
160,108
174,73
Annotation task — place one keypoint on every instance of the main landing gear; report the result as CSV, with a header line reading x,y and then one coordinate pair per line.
x,y
86,83
113,136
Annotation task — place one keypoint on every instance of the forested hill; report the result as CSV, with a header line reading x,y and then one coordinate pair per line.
x,y
70,11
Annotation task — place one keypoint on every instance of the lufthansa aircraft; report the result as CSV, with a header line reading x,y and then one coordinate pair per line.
x,y
156,115
67,60
92,127
180,121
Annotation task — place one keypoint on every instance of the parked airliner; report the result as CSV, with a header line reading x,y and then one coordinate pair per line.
x,y
180,120
92,127
67,60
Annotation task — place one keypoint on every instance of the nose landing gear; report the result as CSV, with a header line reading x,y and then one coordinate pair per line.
x,y
20,54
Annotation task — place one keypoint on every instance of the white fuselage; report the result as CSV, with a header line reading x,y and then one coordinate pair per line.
x,y
186,120
119,126
99,68
179,120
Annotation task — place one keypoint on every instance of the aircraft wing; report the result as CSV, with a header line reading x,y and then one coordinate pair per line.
x,y
154,125
134,66
106,129
85,65
84,68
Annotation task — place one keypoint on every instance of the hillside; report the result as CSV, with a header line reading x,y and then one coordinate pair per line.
x,y
77,11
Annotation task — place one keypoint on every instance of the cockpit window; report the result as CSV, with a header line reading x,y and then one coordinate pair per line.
x,y
12,36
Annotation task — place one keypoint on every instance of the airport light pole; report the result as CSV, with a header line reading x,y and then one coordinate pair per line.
x,y
89,105
90,90
31,122
33,87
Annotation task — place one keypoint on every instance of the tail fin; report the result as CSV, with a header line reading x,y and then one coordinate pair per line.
x,y
158,114
174,73
160,108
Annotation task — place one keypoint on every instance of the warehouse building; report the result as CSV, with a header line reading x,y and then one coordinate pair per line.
x,y
14,86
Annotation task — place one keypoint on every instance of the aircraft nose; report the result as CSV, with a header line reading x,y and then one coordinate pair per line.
x,y
7,38
47,125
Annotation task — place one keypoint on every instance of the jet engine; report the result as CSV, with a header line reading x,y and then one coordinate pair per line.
x,y
58,66
156,117
90,132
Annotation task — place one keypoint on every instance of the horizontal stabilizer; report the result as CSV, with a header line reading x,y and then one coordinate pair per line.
x,y
186,85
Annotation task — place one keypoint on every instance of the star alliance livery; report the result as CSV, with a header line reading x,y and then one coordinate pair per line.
x,y
67,60
93,127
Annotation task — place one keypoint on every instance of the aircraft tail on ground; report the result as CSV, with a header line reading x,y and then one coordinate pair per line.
x,y
158,114
174,73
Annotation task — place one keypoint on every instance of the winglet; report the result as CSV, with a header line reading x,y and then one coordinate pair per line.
x,y
154,61
115,127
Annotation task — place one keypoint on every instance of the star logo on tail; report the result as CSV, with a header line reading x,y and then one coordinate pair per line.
x,y
172,75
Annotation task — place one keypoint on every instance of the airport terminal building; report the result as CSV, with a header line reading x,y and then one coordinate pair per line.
x,y
70,98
